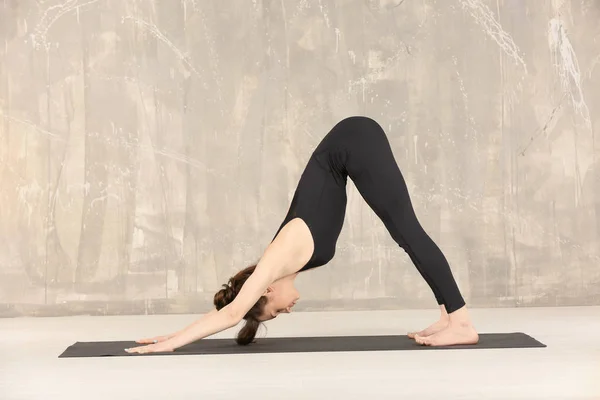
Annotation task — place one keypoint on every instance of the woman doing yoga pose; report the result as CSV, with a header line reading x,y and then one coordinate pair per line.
x,y
356,147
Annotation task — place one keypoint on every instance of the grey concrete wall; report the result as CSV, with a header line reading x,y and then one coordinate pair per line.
x,y
149,149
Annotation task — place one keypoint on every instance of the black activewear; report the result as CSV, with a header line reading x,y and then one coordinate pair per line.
x,y
358,147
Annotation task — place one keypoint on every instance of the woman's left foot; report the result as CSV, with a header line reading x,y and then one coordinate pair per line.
x,y
453,334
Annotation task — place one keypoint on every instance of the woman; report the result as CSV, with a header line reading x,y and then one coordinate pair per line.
x,y
356,147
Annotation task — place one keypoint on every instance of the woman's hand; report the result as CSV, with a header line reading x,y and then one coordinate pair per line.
x,y
151,348
156,339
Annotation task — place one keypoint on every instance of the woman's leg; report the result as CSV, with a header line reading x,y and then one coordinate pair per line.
x,y
373,169
346,132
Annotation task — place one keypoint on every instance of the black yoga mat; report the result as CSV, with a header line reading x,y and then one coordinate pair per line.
x,y
301,345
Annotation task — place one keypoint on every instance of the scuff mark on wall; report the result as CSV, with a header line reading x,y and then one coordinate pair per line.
x,y
567,67
52,14
34,126
485,18
153,29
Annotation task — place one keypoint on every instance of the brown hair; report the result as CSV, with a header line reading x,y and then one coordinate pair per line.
x,y
226,295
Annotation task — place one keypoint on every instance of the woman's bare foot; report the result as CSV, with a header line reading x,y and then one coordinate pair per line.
x,y
431,329
435,327
459,330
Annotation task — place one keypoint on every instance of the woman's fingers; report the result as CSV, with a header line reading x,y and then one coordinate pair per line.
x,y
140,349
151,348
152,340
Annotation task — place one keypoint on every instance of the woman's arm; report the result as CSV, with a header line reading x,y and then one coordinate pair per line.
x,y
277,262
162,338
231,314
210,324
225,318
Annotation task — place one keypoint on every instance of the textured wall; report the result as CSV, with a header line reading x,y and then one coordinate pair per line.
x,y
149,149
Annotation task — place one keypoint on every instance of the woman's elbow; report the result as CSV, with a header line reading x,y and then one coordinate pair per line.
x,y
233,314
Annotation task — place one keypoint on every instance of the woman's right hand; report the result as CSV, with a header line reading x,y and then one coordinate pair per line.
x,y
156,339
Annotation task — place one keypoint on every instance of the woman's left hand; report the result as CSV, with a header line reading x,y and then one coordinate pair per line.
x,y
151,348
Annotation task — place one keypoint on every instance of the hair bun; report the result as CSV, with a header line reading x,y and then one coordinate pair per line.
x,y
224,296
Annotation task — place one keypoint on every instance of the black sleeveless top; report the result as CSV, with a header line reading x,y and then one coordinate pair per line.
x,y
320,200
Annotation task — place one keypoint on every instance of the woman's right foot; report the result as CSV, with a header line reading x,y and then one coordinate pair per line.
x,y
437,326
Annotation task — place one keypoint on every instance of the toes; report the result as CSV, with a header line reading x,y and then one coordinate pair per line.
x,y
421,340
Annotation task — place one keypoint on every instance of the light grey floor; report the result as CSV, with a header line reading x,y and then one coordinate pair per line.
x,y
569,368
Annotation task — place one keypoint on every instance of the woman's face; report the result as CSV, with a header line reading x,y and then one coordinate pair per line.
x,y
281,297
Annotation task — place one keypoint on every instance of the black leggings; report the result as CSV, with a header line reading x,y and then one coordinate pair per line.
x,y
372,167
